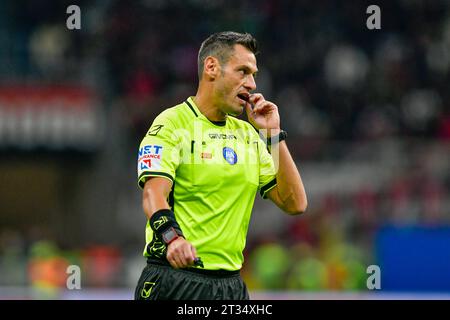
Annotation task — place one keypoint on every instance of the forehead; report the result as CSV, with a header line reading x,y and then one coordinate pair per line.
x,y
243,56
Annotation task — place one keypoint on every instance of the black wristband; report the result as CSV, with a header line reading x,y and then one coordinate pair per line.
x,y
162,220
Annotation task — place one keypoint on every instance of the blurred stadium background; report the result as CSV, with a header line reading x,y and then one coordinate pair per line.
x,y
367,111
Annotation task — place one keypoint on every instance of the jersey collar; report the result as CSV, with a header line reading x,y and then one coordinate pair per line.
x,y
191,104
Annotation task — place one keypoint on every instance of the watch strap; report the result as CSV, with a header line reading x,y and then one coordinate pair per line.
x,y
282,135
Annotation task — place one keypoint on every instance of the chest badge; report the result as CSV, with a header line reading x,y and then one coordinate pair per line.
x,y
229,155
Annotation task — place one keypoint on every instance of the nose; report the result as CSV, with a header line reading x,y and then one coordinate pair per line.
x,y
250,83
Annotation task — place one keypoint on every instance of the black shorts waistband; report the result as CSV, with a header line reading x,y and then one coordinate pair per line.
x,y
214,273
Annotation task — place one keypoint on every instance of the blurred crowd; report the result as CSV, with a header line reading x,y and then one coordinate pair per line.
x,y
332,77
367,112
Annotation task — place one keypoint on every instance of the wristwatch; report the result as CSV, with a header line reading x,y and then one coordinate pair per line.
x,y
170,235
277,138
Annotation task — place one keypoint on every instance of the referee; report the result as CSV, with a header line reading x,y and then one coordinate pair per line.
x,y
200,169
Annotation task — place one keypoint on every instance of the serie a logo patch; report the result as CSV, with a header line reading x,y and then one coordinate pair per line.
x,y
229,155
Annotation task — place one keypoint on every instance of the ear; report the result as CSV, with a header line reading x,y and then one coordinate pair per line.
x,y
211,67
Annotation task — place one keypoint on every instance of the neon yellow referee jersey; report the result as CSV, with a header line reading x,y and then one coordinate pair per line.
x,y
216,169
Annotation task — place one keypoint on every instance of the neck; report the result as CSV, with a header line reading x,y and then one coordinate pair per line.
x,y
205,101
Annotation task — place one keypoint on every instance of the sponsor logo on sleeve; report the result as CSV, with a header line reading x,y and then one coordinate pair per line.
x,y
149,158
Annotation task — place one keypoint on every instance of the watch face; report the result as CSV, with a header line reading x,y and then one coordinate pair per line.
x,y
169,235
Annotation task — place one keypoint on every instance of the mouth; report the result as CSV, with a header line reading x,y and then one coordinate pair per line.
x,y
244,96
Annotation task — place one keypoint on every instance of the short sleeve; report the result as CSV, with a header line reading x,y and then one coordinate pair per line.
x,y
159,151
267,171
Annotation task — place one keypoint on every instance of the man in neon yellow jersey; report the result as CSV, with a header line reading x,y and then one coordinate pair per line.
x,y
200,169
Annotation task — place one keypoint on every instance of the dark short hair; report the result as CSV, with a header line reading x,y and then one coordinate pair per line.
x,y
221,46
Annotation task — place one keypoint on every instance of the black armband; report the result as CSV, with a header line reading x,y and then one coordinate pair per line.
x,y
165,226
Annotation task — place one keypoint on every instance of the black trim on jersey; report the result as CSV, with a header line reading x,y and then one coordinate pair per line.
x,y
154,173
267,187
219,123
190,106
